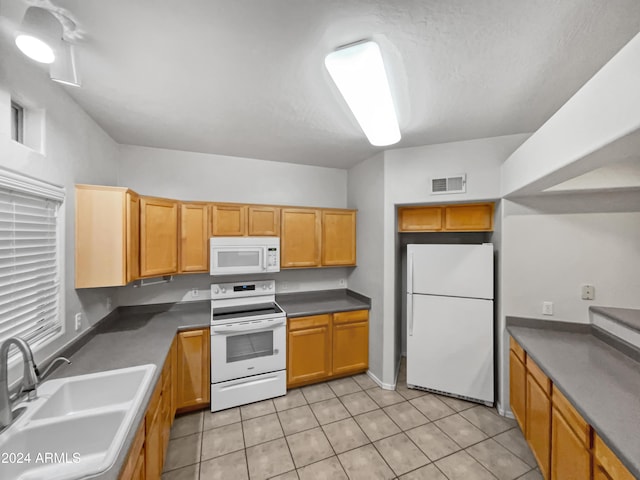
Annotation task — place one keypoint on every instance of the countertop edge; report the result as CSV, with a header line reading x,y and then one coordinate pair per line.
x,y
619,315
567,327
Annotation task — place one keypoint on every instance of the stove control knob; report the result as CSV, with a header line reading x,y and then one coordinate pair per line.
x,y
223,290
270,286
216,291
264,287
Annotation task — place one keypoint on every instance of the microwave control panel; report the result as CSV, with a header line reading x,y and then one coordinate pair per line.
x,y
273,259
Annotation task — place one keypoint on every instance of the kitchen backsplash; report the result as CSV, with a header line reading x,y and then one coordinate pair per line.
x,y
188,288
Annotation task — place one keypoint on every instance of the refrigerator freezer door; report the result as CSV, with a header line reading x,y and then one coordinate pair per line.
x,y
451,270
451,349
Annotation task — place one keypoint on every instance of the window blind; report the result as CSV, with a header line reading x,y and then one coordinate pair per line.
x,y
29,261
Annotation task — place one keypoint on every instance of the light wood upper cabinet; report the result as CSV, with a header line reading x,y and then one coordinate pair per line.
x,y
466,218
350,342
158,236
420,219
263,221
300,237
308,349
107,236
473,217
228,220
338,237
194,241
194,354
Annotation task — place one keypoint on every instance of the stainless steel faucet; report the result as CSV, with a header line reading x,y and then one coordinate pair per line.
x,y
29,377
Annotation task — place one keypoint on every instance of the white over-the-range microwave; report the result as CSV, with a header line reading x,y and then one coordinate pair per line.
x,y
241,255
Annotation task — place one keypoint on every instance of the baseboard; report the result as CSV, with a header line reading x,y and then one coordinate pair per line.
x,y
505,412
380,383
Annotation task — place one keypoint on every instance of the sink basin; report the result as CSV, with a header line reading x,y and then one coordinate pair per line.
x,y
67,396
71,448
76,426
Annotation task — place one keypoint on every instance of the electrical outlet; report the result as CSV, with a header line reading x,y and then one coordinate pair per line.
x,y
342,283
78,320
109,304
547,308
284,286
195,292
588,292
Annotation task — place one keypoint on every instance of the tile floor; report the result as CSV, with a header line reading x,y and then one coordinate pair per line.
x,y
350,429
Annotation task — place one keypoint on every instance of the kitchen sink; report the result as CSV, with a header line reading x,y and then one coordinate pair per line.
x,y
76,426
67,396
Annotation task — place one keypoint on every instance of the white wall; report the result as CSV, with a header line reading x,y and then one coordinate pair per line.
x,y
207,177
553,245
366,193
76,150
406,178
591,129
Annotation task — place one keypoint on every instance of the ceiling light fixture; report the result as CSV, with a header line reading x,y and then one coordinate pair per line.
x,y
358,72
39,35
64,70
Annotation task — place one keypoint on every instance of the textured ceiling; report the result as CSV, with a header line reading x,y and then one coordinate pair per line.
x,y
246,77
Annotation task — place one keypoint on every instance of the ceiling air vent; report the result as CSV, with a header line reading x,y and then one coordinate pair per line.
x,y
452,184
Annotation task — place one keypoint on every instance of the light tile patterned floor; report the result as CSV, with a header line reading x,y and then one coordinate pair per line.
x,y
350,429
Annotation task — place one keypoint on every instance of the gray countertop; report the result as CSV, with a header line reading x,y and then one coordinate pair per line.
x,y
142,335
626,316
601,382
324,301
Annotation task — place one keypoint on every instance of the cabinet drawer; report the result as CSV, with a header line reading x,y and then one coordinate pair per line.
x,y
581,428
539,376
517,349
349,317
607,461
308,322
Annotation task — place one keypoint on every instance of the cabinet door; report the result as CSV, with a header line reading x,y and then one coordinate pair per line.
x,y
308,349
158,236
350,342
607,466
139,470
101,236
134,467
300,238
538,424
264,221
570,458
133,236
419,219
194,233
466,218
194,388
517,388
228,220
338,237
153,447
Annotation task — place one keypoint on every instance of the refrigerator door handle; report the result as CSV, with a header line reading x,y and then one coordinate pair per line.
x,y
410,274
410,315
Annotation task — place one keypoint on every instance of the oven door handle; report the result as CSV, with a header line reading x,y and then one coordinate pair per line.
x,y
247,327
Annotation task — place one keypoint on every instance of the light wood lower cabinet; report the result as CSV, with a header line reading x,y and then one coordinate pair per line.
x,y
321,347
194,386
563,443
606,466
538,416
147,452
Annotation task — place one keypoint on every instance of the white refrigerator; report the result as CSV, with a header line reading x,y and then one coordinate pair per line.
x,y
450,320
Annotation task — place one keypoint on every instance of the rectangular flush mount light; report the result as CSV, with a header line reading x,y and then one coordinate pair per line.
x,y
358,72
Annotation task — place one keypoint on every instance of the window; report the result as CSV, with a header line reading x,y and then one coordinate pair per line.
x,y
17,122
30,259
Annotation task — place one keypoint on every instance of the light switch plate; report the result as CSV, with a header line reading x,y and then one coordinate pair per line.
x,y
547,308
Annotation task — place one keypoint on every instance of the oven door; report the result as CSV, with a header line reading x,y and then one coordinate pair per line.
x,y
243,349
238,260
